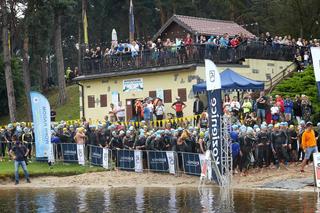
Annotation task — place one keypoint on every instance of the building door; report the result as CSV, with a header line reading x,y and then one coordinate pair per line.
x,y
130,109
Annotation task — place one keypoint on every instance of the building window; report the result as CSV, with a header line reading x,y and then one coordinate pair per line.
x,y
91,101
152,94
182,93
268,76
167,96
103,101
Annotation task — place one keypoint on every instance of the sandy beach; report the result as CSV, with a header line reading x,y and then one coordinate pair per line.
x,y
255,180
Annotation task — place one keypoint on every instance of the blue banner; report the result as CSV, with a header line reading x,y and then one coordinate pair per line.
x,y
96,156
69,152
125,159
215,113
158,161
41,121
191,164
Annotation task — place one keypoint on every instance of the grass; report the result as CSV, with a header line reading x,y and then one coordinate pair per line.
x,y
69,111
42,169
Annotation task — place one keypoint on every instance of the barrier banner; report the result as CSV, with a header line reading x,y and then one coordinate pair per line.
x,y
171,162
80,152
125,159
158,161
105,162
42,121
96,155
69,152
191,163
138,166
316,166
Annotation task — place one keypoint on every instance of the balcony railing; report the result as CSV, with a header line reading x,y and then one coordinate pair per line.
x,y
186,55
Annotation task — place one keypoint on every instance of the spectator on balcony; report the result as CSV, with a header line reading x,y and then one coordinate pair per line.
x,y
159,50
224,41
188,42
202,40
235,42
268,39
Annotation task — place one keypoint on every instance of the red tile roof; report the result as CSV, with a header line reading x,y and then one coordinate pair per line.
x,y
206,26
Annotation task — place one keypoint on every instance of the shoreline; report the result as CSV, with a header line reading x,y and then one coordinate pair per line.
x,y
256,180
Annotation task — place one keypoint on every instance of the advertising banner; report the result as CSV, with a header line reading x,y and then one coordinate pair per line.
x,y
214,112
130,85
316,164
42,125
315,52
171,162
80,153
191,163
69,152
125,159
158,161
96,156
105,162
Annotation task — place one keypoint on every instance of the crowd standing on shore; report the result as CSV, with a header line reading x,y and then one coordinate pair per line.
x,y
265,132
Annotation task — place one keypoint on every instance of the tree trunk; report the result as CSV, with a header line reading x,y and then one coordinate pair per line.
x,y
7,65
59,58
44,74
26,74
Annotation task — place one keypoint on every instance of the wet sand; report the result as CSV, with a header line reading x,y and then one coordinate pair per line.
x,y
108,179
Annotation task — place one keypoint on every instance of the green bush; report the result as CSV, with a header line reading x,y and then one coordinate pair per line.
x,y
298,84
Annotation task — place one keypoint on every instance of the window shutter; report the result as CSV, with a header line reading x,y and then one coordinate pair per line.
x,y
167,96
152,94
182,93
103,101
91,101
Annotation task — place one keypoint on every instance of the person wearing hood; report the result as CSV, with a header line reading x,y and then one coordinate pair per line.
x,y
246,146
3,143
27,139
263,146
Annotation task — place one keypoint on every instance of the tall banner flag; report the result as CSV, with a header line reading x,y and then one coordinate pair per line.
x,y
80,152
85,28
41,121
315,52
131,22
316,166
214,110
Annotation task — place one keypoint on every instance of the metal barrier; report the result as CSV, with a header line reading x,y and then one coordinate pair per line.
x,y
191,162
162,161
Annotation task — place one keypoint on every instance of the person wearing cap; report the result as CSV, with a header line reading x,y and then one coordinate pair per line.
x,y
263,147
19,152
198,108
309,144
246,145
27,139
301,129
178,107
293,143
3,144
279,142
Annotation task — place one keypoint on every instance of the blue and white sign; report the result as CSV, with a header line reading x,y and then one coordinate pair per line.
x,y
215,111
41,121
135,84
96,155
69,152
191,163
125,159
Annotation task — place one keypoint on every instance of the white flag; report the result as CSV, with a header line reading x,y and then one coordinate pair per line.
x,y
212,75
315,51
105,158
171,162
80,152
138,166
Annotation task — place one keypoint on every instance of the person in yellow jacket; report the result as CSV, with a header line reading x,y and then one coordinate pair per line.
x,y
309,144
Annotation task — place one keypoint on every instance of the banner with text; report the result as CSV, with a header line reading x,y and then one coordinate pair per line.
x,y
138,165
315,52
162,161
130,85
316,163
42,125
125,159
191,163
214,111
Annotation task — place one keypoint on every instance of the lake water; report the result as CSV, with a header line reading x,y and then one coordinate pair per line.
x,y
154,200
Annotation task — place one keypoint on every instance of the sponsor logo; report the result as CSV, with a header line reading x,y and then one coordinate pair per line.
x,y
125,159
158,160
70,152
212,75
96,155
215,129
192,163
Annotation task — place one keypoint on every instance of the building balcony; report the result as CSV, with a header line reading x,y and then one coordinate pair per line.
x,y
194,54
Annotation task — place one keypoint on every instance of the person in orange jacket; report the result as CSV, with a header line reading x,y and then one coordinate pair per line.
x,y
309,144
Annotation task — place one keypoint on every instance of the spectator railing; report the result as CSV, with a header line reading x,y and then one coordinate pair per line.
x,y
194,54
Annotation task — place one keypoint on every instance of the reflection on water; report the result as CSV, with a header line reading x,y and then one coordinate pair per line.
x,y
154,200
